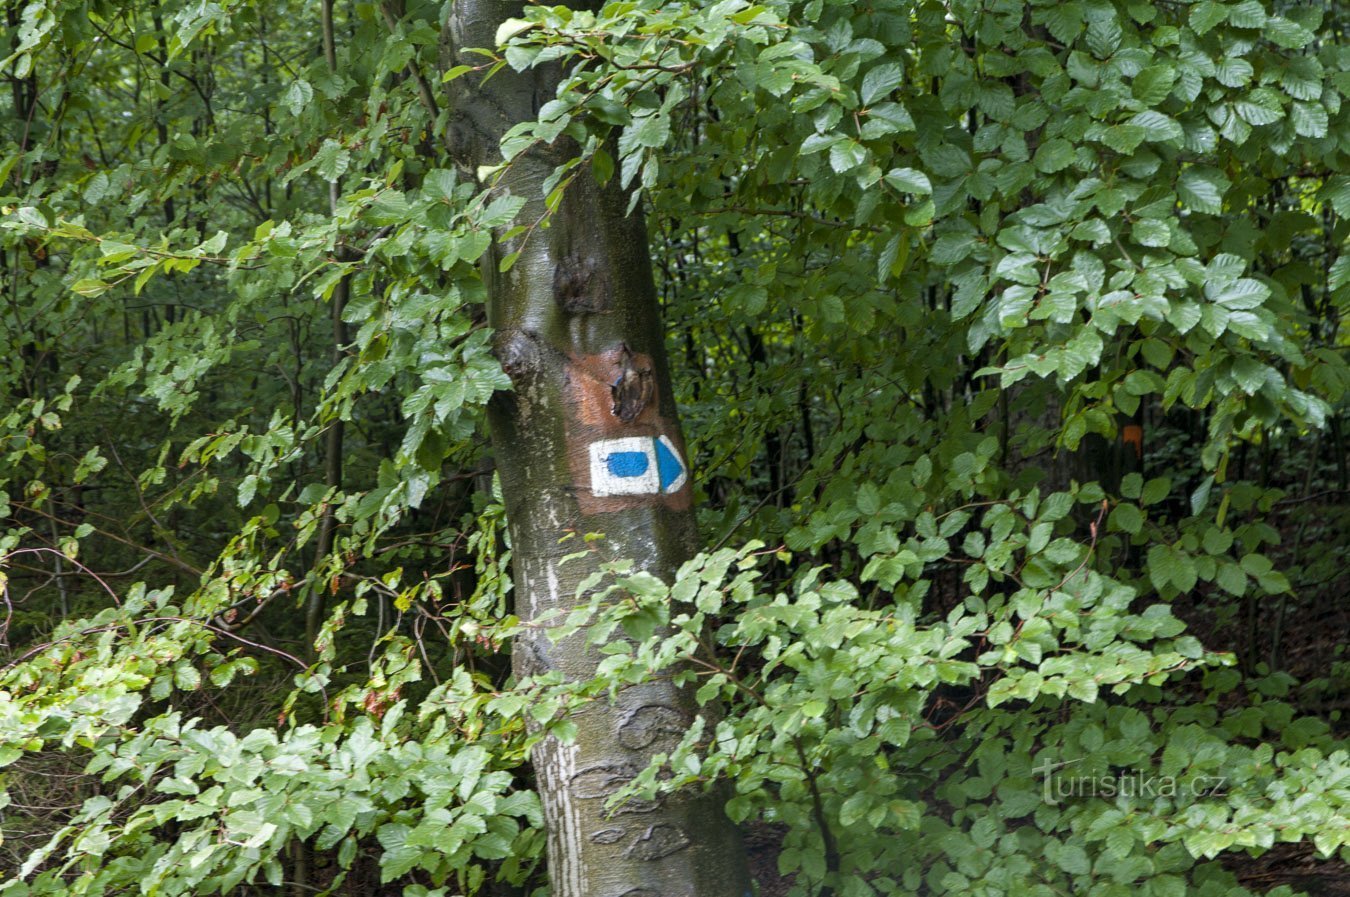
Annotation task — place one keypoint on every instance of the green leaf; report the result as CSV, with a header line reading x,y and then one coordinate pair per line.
x,y
1120,842
909,180
1064,21
1284,33
884,119
1251,374
1083,689
399,856
1202,189
1231,578
96,188
331,161
1168,566
1152,85
1234,72
186,677
1151,232
1124,139
1069,857
1126,518
1258,113
1248,14
1155,490
298,96
1158,128
880,81
1242,293
1054,155
89,286
649,130
1216,540
247,487
1200,497
1310,119
1206,14
846,155
501,211
509,28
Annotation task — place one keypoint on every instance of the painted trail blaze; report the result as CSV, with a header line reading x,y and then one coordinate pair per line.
x,y
623,453
636,465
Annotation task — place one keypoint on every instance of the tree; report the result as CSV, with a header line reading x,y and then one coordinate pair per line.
x,y
587,442
910,257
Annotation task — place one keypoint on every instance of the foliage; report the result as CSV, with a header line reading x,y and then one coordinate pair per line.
x,y
922,266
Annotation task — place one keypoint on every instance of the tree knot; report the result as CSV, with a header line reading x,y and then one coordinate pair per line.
x,y
580,285
633,388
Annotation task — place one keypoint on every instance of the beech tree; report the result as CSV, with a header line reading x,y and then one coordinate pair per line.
x,y
587,441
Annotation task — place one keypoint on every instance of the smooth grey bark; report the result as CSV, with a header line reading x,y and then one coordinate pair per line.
x,y
578,331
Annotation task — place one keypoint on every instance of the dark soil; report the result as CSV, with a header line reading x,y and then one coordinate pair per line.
x,y
763,842
1294,865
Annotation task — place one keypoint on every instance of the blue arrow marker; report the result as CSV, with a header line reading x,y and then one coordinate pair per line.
x,y
670,466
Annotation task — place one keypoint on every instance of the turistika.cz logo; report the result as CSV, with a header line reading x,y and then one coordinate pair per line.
x,y
1057,786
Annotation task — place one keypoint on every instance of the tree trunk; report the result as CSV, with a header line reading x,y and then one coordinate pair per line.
x,y
588,441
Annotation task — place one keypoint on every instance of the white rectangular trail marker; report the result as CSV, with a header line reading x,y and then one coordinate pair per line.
x,y
636,465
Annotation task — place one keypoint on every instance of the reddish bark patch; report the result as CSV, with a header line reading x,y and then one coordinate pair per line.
x,y
613,395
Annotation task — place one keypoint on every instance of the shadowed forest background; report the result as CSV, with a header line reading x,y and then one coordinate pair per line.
x,y
1007,342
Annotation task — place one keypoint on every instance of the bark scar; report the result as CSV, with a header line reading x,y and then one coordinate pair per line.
x,y
633,388
658,841
581,286
518,352
651,723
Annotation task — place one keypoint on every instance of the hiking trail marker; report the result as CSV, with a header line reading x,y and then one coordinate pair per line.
x,y
636,465
622,452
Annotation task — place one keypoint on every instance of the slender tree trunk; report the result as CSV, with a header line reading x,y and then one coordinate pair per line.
x,y
332,458
587,441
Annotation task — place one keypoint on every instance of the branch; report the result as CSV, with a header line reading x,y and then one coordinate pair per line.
x,y
423,88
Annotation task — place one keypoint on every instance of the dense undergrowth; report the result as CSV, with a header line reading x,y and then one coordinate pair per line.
x,y
1007,340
